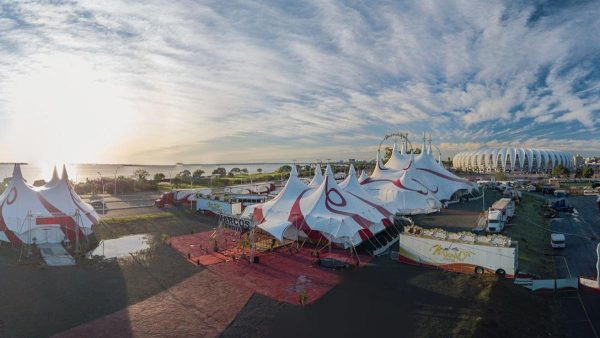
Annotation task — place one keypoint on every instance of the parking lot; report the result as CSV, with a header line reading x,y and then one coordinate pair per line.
x,y
580,309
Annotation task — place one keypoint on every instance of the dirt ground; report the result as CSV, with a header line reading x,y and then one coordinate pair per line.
x,y
391,299
181,311
56,299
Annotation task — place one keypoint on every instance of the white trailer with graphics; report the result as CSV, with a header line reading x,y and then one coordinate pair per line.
x,y
460,252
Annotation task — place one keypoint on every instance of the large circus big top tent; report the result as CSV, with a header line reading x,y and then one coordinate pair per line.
x,y
324,211
48,214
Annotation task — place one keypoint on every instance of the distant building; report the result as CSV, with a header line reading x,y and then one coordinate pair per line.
x,y
578,161
352,161
511,160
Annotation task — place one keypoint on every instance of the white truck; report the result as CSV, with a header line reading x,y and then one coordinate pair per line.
x,y
499,213
460,252
495,221
506,206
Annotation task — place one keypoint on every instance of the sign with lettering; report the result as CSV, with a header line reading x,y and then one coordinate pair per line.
x,y
215,206
235,223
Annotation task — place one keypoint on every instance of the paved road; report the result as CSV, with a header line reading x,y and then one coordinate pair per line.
x,y
580,309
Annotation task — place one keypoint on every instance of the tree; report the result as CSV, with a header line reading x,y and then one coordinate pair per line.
x,y
235,171
245,170
197,174
415,151
141,174
387,154
185,175
220,171
587,172
559,171
284,169
158,177
259,170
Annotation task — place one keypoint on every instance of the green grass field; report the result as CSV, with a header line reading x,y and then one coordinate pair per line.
x,y
534,241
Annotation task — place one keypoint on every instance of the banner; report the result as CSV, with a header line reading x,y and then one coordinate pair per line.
x,y
214,206
235,223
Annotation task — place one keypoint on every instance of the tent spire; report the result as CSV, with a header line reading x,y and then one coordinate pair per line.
x,y
294,171
351,171
64,176
54,174
17,171
328,171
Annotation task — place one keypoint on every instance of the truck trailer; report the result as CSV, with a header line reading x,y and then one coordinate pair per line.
x,y
460,252
181,196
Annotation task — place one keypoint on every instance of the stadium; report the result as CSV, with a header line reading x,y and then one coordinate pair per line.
x,y
509,159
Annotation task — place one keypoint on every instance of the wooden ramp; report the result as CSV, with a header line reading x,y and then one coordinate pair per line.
x,y
55,255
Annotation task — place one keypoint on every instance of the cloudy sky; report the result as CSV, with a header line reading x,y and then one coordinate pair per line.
x,y
226,81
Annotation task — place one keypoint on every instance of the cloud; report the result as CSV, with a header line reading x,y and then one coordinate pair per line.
x,y
175,81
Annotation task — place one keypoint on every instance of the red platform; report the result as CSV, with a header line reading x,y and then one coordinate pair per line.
x,y
283,274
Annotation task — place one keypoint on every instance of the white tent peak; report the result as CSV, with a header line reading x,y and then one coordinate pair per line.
x,y
294,171
403,149
351,171
328,171
64,176
55,177
318,178
17,171
363,176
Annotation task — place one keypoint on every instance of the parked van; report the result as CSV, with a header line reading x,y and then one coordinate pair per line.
x,y
557,241
560,193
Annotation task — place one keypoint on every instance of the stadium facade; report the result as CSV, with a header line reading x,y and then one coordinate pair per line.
x,y
509,159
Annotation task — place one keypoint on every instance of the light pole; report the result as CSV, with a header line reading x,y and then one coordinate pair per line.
x,y
116,179
101,182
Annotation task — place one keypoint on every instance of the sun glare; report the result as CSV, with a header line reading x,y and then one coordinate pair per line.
x,y
69,110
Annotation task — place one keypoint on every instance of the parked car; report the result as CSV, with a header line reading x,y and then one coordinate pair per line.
x,y
557,241
98,204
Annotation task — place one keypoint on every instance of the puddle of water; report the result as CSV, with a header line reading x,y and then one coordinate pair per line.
x,y
121,247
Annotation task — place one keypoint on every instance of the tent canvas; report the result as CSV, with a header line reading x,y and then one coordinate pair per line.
x,y
42,215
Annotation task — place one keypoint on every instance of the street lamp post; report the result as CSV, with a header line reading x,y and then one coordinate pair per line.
x,y
101,182
116,179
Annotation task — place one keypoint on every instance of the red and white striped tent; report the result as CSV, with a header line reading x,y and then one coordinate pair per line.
x,y
47,214
323,212
403,189
427,173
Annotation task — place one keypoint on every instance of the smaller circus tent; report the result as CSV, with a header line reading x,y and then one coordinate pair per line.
x,y
66,201
440,181
43,215
402,189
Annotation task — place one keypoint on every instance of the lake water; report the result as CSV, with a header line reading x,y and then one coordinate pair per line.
x,y
81,172
121,247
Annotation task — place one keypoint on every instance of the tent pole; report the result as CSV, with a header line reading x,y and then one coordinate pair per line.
x,y
356,252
